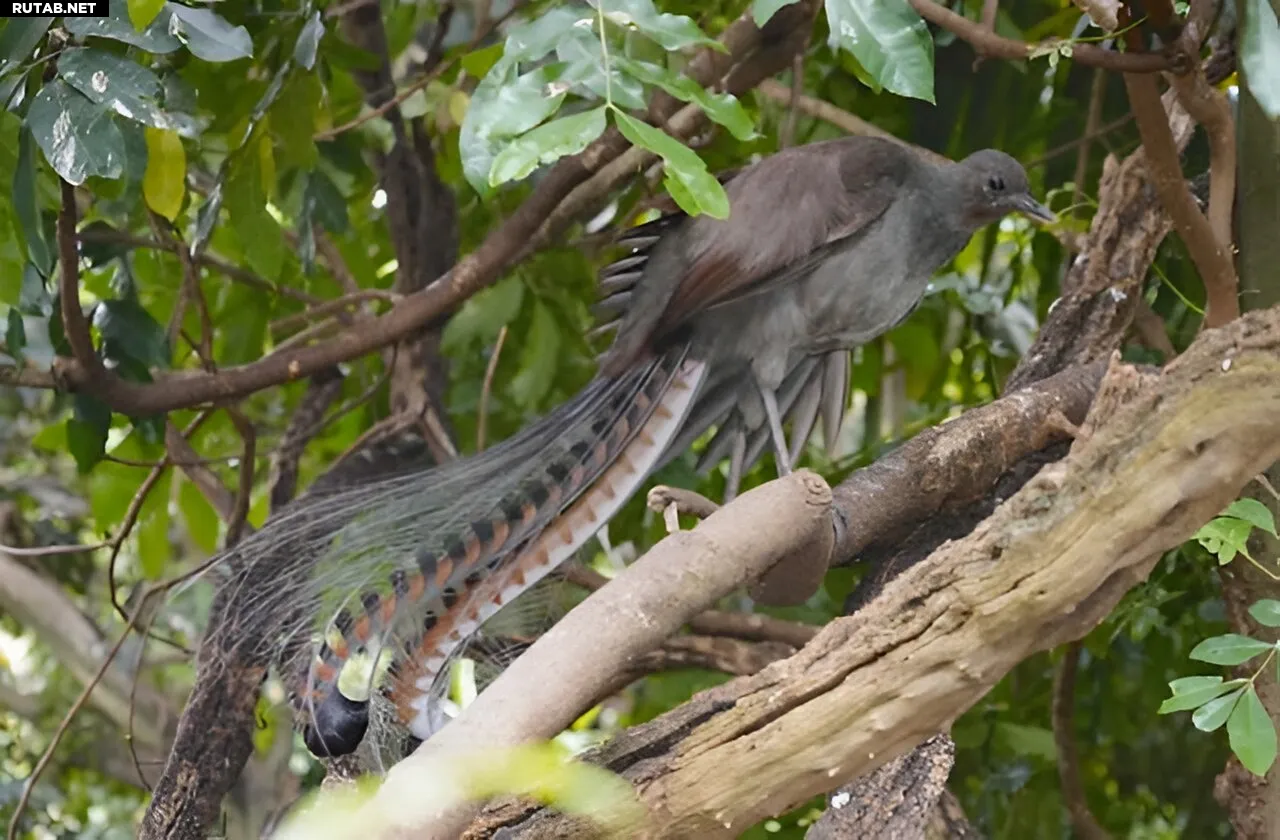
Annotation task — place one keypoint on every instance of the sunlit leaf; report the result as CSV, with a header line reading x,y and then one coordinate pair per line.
x,y
77,135
889,40
1225,537
199,516
257,231
1252,734
164,184
1193,692
1254,512
152,530
698,191
1228,649
304,51
1266,612
533,40
117,26
547,143
502,106
673,32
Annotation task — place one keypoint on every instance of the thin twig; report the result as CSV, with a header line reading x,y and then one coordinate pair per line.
x,y
487,388
788,134
330,307
1064,705
74,324
240,512
49,550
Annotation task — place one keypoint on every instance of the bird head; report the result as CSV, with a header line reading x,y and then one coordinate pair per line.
x,y
994,185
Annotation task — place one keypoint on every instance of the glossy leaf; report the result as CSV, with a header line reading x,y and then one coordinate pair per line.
x,y
27,209
117,26
87,431
127,88
1228,649
533,40
164,184
330,206
1214,713
890,40
1266,612
1254,512
673,32
763,10
18,38
503,106
697,190
1260,54
77,136
208,35
304,51
546,144
1252,734
584,72
143,12
723,108
1225,537
478,62
129,331
1193,692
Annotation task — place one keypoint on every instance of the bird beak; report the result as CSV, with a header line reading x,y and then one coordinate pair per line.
x,y
1028,206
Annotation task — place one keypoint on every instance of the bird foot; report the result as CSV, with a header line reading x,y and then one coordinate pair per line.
x,y
671,501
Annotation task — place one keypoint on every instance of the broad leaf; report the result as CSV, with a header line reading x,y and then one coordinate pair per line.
x,y
503,105
18,38
1266,612
889,40
1252,735
304,51
1225,537
15,333
208,35
533,40
77,135
129,89
1213,714
538,358
164,184
129,332
483,315
546,144
694,188
143,12
87,431
156,38
1194,692
673,32
27,209
258,232
1228,649
1254,512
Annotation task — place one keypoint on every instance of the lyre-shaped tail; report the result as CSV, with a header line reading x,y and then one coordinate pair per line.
x,y
606,442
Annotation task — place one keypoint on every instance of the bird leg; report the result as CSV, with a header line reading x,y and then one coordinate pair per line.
x,y
737,454
774,418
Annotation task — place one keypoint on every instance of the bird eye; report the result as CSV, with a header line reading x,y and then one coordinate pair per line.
x,y
995,182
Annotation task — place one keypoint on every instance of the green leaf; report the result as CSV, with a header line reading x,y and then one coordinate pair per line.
x,y
673,32
539,355
1228,649
723,108
502,107
1027,740
199,516
117,26
165,183
129,331
585,71
547,143
257,231
87,432
1225,537
1193,692
245,312
1254,512
304,51
152,531
1252,735
763,10
890,40
77,136
34,298
1213,714
477,62
143,12
330,206
27,208
127,88
533,40
1266,612
208,35
1260,54
698,191
15,333
483,315
18,38
293,121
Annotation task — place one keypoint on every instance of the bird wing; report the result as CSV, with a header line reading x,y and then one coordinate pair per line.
x,y
787,212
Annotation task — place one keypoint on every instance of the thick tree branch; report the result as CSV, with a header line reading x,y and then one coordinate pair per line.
x,y
1048,565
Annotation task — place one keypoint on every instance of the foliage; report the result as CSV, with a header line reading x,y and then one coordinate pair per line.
x,y
231,143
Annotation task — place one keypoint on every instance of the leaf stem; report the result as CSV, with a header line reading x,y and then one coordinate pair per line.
x,y
604,55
